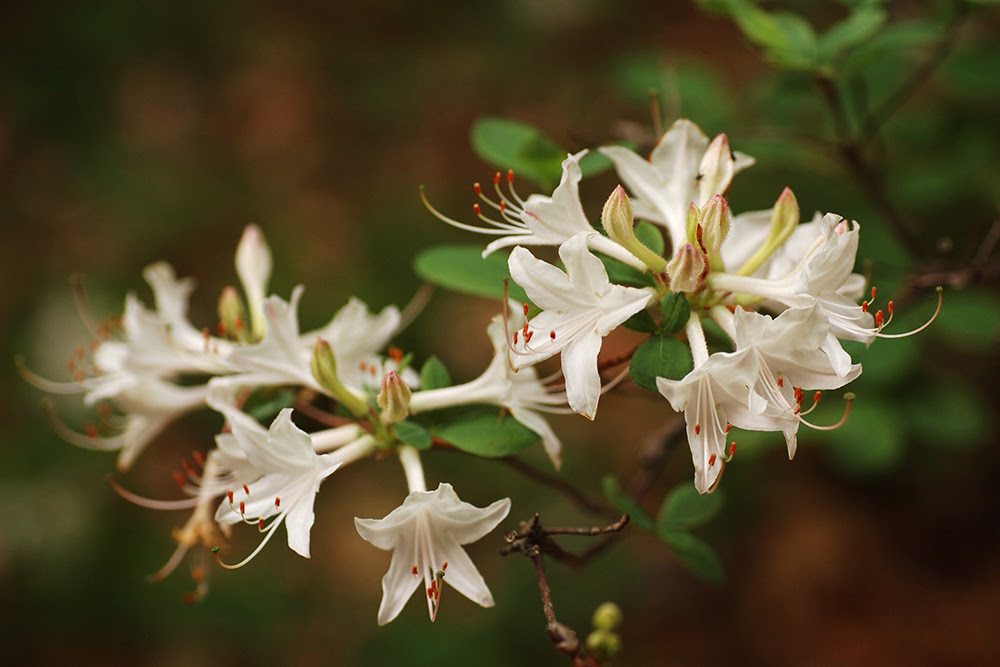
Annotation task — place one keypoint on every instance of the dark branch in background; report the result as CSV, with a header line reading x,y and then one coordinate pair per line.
x,y
534,541
576,496
654,455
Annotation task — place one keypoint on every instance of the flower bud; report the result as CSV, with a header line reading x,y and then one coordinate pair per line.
x,y
686,268
693,220
324,369
393,398
607,617
716,170
253,266
618,220
232,317
784,219
715,222
603,643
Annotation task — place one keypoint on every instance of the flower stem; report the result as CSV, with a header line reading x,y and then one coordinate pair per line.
x,y
414,470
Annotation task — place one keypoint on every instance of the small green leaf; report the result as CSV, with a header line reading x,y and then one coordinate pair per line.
x,y
696,555
684,507
270,407
622,274
650,236
787,39
641,322
413,434
858,28
676,311
462,268
613,492
434,375
486,432
509,144
660,356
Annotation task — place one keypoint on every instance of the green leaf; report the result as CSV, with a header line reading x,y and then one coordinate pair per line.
x,y
613,492
660,356
641,322
508,144
676,311
684,507
787,39
270,407
461,268
434,375
650,236
486,432
863,24
413,434
696,555
622,274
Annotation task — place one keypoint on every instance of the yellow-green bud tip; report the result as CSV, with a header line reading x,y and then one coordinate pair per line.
x,y
608,616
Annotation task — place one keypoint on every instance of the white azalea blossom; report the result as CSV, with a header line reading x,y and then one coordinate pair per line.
x,y
520,392
425,535
581,306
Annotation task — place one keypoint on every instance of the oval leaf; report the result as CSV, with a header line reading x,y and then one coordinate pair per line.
x,y
434,375
508,144
413,434
660,356
684,507
696,555
487,432
613,492
462,268
676,311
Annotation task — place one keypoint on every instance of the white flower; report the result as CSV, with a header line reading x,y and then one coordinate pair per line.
x,y
664,186
520,392
581,306
425,535
253,266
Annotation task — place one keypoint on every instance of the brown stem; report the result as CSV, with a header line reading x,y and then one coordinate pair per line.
x,y
576,496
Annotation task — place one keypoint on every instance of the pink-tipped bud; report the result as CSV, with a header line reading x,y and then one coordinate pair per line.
x,y
715,222
686,269
394,398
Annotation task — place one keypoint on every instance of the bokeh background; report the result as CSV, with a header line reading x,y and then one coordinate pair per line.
x,y
137,131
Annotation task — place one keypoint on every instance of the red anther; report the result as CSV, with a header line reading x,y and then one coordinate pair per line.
x,y
711,460
697,429
510,175
363,366
239,323
890,308
198,457
478,188
873,292
206,334
188,468
260,523
430,592
496,179
781,381
230,497
222,329
728,427
90,430
243,507
71,365
732,449
864,306
552,335
277,501
476,209
78,376
817,397
396,354
79,352
503,206
372,370
415,567
879,319
445,566
525,310
515,337
179,478
246,489
527,337
198,574
94,344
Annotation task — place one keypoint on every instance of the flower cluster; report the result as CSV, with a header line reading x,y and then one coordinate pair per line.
x,y
782,292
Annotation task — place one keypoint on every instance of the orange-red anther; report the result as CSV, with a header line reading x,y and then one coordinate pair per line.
x,y
890,308
478,188
781,381
239,323
445,566
277,501
697,429
711,460
90,430
515,337
525,310
510,175
260,523
879,319
178,477
496,179
527,336
728,427
243,507
732,449
198,457
476,209
230,497
873,292
817,397
222,329
396,354
552,335
864,306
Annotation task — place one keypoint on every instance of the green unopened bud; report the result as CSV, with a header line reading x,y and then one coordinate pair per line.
x,y
232,316
618,222
393,398
784,220
693,220
603,643
324,369
717,168
608,616
715,223
686,269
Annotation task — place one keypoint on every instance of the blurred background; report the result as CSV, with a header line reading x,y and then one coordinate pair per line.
x,y
137,131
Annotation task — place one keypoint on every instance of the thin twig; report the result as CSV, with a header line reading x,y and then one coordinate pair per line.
x,y
576,496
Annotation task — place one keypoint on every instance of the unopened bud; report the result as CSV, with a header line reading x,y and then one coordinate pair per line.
x,y
393,398
603,643
618,222
784,219
232,316
693,220
253,266
324,369
686,268
607,617
715,222
716,170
